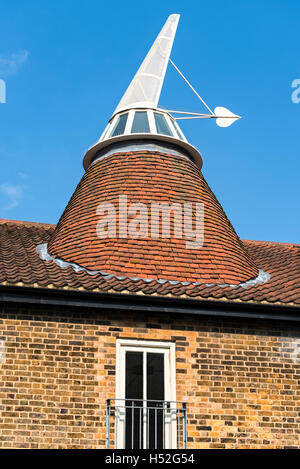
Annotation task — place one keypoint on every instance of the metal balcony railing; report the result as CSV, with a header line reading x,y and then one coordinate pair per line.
x,y
141,424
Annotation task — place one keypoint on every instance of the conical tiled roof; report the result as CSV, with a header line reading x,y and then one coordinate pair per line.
x,y
147,176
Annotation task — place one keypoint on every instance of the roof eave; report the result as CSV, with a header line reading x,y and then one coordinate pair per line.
x,y
145,303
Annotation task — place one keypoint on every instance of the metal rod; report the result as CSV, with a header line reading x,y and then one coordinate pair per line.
x,y
107,424
163,428
155,427
193,89
145,400
177,428
184,413
185,112
148,438
132,424
116,426
205,116
140,445
137,407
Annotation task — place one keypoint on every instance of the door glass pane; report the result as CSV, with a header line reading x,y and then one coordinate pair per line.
x,y
140,123
162,125
134,402
155,394
120,125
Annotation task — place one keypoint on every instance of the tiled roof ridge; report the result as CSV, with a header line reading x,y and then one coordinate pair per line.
x,y
258,241
4,221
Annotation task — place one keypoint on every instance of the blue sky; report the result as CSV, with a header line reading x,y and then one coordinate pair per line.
x,y
67,63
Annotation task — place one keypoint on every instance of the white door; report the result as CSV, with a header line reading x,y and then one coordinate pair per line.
x,y
145,412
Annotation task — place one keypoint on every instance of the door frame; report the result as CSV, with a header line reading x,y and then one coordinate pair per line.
x,y
166,348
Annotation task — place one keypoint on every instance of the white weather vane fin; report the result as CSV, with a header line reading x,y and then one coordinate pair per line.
x,y
145,88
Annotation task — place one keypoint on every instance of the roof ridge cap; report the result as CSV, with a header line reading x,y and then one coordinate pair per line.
x,y
4,221
269,242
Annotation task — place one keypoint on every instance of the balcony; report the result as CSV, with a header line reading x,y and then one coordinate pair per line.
x,y
140,424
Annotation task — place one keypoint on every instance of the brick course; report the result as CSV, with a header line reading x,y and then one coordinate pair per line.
x,y
240,379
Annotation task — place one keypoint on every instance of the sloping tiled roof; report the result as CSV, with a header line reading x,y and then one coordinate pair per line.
x,y
147,177
20,265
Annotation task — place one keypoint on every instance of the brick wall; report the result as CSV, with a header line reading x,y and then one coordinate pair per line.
x,y
240,380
